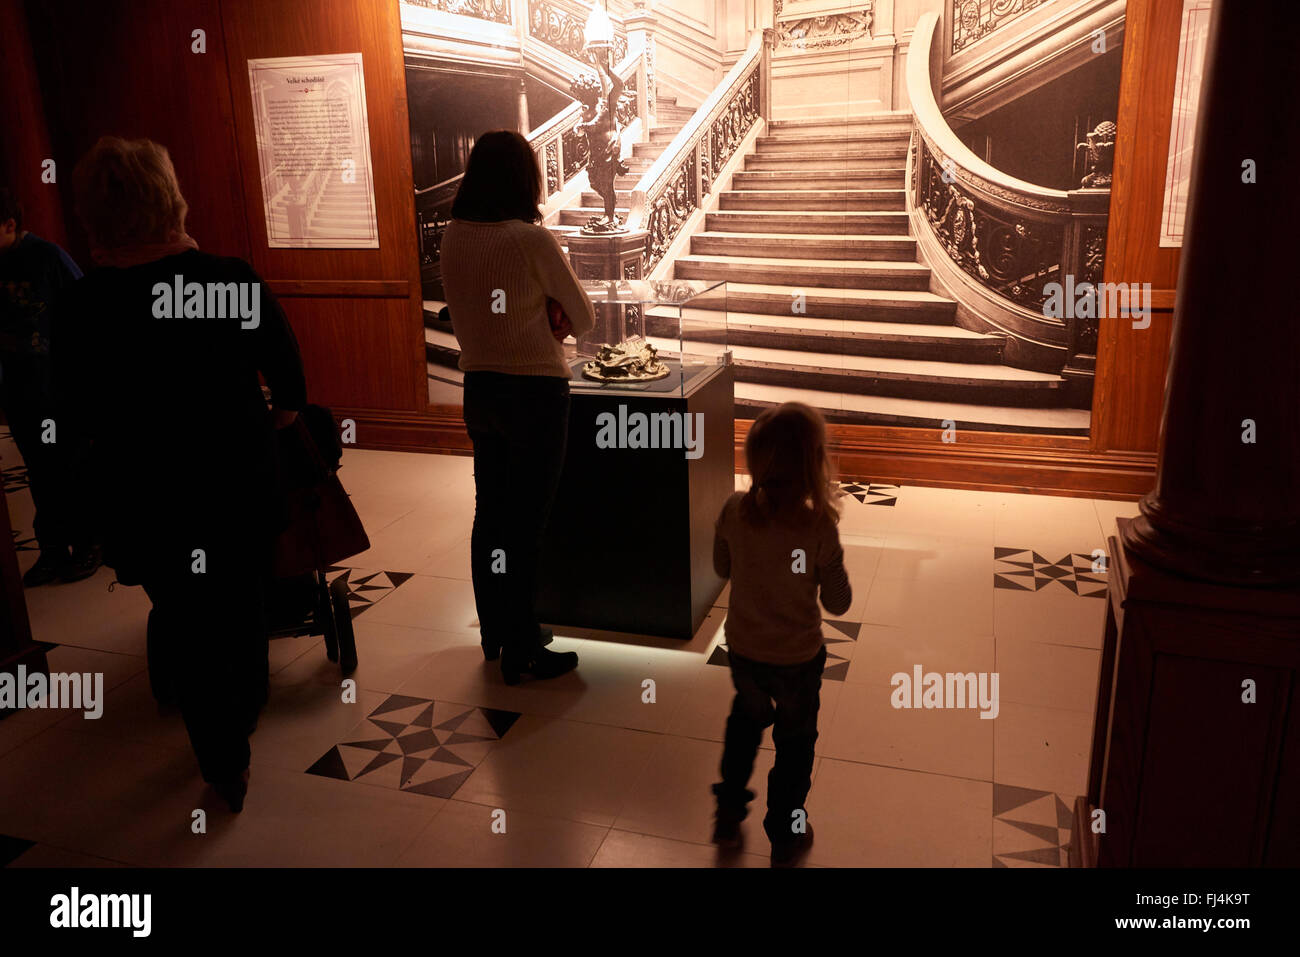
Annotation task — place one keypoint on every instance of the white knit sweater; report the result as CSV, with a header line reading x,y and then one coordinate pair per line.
x,y
497,278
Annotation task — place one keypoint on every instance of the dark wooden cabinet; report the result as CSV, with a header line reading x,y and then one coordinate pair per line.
x,y
1188,771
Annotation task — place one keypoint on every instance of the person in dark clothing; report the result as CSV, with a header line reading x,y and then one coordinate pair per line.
x,y
33,274
157,356
504,276
779,545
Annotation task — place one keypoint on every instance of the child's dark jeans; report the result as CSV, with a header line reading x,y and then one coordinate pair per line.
x,y
785,698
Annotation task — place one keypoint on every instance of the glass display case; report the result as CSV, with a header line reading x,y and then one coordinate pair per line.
x,y
664,337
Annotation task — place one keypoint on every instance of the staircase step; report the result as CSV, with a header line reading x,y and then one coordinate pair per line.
x,y
664,133
838,139
819,179
811,272
840,408
898,340
813,199
649,150
578,215
805,246
592,198
878,305
971,382
867,222
861,146
880,120
821,159
441,348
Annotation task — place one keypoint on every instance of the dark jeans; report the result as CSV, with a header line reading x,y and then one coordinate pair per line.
x,y
28,401
785,698
519,426
207,646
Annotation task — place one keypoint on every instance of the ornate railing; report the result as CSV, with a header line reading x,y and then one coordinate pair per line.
x,y
496,11
561,155
561,25
1005,237
674,187
975,19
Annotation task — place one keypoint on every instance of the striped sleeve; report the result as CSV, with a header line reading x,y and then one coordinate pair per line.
x,y
837,594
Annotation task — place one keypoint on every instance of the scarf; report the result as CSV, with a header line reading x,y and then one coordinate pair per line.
x,y
123,257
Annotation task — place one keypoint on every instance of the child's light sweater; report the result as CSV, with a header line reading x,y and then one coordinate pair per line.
x,y
497,278
776,569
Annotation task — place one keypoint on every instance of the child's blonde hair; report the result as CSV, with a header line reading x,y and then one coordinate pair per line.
x,y
785,452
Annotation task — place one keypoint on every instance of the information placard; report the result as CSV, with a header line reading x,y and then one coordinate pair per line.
x,y
313,148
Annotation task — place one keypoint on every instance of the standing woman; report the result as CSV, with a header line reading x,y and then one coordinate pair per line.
x,y
182,441
500,272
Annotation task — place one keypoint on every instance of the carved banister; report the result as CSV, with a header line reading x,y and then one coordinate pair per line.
x,y
560,24
674,186
1005,240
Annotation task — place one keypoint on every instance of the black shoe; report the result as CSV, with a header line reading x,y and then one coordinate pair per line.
x,y
491,651
539,663
791,851
727,834
82,563
233,791
732,809
45,570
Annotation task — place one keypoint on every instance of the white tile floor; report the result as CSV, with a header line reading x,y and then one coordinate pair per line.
x,y
585,773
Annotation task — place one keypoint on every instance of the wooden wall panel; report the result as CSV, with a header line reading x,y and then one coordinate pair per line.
x,y
337,335
126,69
1132,363
363,350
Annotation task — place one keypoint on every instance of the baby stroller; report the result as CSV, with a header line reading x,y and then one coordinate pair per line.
x,y
323,529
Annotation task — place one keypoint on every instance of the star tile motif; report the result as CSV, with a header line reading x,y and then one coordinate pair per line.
x,y
15,478
1030,828
1023,569
417,744
24,544
870,493
365,587
841,638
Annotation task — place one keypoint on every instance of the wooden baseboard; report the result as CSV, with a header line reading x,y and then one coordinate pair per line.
x,y
1000,462
440,429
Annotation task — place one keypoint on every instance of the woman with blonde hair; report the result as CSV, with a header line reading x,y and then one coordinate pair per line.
x,y
157,356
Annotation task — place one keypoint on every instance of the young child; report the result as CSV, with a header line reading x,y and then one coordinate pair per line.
x,y
779,545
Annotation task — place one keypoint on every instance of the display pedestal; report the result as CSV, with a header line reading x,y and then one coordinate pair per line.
x,y
629,545
1188,770
609,256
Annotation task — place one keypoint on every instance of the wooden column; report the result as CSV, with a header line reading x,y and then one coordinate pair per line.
x,y
1225,506
1196,744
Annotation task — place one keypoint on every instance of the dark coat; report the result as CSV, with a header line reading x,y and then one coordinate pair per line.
x,y
183,449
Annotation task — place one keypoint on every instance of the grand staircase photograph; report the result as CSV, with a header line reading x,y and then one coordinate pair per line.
x,y
876,267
